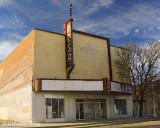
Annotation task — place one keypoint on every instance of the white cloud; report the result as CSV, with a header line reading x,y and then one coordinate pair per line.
x,y
151,28
97,4
137,30
5,2
16,37
19,22
40,15
126,33
12,22
6,47
123,23
57,2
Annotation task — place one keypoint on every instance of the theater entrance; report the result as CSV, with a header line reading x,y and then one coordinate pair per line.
x,y
90,109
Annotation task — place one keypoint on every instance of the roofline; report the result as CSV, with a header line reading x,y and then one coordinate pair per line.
x,y
83,33
77,31
119,47
88,34
116,46
49,31
15,47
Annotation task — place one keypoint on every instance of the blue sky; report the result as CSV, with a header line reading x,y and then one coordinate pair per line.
x,y
120,20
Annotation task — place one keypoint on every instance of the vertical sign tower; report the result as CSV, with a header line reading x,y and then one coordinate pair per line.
x,y
69,44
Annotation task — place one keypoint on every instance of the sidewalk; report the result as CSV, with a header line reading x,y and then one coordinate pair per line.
x,y
145,122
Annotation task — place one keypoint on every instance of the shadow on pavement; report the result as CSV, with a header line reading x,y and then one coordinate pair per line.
x,y
112,123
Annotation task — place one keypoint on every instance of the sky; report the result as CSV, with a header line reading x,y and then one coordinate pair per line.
x,y
120,20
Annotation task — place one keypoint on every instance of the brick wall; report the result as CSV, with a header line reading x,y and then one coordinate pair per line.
x,y
16,73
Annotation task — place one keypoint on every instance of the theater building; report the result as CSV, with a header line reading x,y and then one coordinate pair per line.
x,y
52,77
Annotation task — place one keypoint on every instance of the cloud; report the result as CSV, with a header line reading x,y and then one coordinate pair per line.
x,y
126,33
97,4
47,13
137,30
57,2
11,22
4,3
123,22
15,37
6,47
9,43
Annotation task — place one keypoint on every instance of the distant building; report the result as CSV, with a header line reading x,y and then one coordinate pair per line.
x,y
148,101
34,85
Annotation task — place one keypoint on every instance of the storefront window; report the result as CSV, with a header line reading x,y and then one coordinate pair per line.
x,y
54,108
48,108
120,106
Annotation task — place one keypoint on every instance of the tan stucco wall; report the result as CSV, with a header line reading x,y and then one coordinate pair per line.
x,y
16,82
17,105
90,57
49,55
114,69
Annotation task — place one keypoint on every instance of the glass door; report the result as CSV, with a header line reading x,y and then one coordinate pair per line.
x,y
81,107
99,110
79,111
89,110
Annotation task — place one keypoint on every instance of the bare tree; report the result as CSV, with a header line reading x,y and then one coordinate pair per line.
x,y
156,90
140,65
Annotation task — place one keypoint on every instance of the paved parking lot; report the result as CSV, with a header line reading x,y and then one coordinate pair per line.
x,y
147,122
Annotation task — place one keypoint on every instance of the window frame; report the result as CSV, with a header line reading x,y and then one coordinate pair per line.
x,y
124,112
58,116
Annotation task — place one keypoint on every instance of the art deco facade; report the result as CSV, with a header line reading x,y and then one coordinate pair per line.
x,y
34,84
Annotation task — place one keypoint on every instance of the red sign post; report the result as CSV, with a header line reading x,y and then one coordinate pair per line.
x,y
69,46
